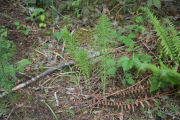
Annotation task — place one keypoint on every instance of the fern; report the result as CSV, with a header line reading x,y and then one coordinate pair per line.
x,y
175,36
162,76
169,43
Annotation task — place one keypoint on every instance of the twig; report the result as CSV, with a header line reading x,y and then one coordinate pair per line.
x,y
57,101
116,6
148,49
57,11
22,85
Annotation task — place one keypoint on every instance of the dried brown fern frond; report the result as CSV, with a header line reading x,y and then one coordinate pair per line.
x,y
136,88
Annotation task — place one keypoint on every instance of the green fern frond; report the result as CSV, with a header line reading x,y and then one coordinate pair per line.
x,y
168,42
175,36
164,73
151,67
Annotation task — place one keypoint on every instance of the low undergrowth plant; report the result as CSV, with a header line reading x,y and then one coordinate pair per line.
x,y
37,15
22,28
162,76
80,56
104,35
7,70
156,3
34,14
170,38
104,38
127,64
168,110
170,41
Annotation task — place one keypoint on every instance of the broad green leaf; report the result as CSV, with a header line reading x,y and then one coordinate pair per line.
x,y
24,26
139,28
122,60
16,23
42,17
130,81
18,27
170,76
110,62
4,34
42,25
58,35
26,32
128,75
128,42
125,63
22,63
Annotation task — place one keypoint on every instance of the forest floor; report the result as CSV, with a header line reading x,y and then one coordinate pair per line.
x,y
57,96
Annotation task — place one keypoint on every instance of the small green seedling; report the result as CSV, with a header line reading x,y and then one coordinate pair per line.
x,y
42,19
128,79
22,28
37,12
39,16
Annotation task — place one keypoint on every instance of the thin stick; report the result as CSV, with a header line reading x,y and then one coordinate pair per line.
x,y
57,101
22,85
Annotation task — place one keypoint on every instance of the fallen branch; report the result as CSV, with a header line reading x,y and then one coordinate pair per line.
x,y
22,85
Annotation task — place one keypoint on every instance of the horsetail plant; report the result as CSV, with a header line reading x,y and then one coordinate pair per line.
x,y
104,35
80,56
